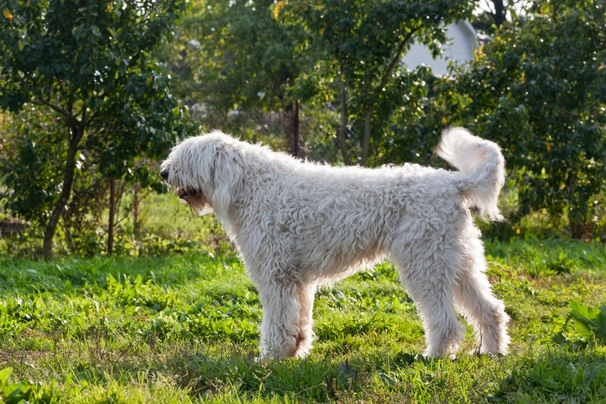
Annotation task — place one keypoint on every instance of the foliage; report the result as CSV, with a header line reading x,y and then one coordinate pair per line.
x,y
235,64
538,89
94,70
95,98
25,139
255,57
22,392
99,59
588,321
164,227
246,59
38,184
9,392
416,126
360,44
174,330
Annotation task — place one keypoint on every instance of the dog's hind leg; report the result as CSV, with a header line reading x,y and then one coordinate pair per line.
x,y
443,332
427,273
475,300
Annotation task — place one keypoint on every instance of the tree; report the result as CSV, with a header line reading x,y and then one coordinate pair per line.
x,y
362,44
539,90
89,62
233,56
492,14
25,139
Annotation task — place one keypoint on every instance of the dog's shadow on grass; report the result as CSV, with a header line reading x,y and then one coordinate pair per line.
x,y
555,375
313,379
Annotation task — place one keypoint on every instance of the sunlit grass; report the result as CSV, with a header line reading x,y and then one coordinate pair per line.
x,y
185,329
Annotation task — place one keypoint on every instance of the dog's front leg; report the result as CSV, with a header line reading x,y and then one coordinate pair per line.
x,y
306,334
280,327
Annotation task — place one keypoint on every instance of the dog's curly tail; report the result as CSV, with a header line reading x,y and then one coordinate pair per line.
x,y
482,168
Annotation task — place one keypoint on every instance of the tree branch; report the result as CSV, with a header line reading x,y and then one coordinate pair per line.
x,y
396,58
93,116
68,115
489,9
386,76
84,109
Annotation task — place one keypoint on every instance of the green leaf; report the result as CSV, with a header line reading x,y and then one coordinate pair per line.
x,y
589,320
4,375
586,314
582,329
387,379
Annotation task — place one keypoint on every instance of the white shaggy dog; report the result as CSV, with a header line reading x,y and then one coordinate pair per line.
x,y
298,225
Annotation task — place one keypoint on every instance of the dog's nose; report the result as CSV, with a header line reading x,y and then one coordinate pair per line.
x,y
164,174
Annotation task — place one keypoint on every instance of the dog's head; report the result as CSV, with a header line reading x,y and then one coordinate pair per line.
x,y
204,171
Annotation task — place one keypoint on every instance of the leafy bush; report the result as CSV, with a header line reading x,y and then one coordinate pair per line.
x,y
537,89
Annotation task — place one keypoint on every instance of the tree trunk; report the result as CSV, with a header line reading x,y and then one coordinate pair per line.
x,y
112,213
499,15
68,180
342,130
366,140
136,210
295,129
388,73
580,230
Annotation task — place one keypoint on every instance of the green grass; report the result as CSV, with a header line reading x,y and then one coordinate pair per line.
x,y
185,329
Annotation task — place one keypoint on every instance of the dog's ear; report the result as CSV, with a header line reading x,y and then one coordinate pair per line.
x,y
226,173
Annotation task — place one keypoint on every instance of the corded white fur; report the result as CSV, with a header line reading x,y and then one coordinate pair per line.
x,y
298,225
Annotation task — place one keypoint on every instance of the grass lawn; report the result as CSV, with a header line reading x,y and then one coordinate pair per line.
x,y
184,329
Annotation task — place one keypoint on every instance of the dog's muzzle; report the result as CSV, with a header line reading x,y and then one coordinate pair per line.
x,y
187,194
